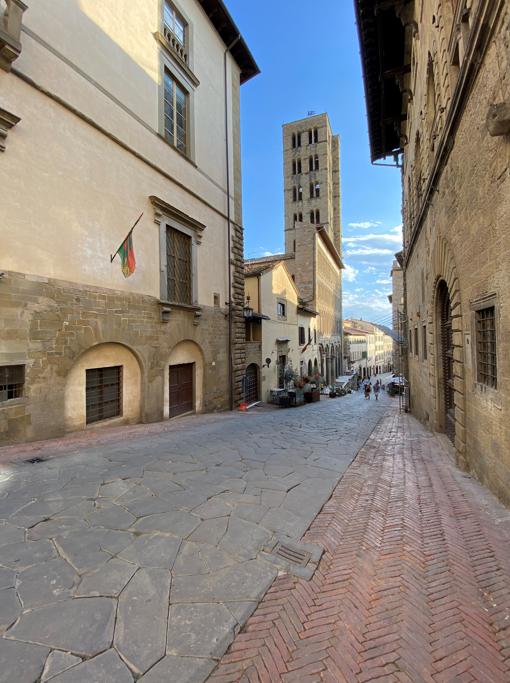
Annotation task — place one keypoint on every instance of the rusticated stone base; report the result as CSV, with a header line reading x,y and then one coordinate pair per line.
x,y
48,324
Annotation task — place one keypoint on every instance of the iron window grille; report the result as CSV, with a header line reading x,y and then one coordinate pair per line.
x,y
176,114
12,382
178,266
103,393
486,347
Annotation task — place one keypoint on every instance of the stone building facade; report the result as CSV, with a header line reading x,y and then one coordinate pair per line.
x,y
447,109
313,229
109,111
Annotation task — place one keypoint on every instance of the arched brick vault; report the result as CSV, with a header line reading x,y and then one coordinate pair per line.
x,y
442,268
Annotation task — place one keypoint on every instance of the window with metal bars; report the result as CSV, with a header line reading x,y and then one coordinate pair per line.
x,y
12,381
424,342
103,393
178,266
176,114
486,347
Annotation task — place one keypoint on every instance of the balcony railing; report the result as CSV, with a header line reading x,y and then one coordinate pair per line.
x,y
176,45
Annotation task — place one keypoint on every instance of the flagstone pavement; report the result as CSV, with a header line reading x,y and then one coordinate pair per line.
x,y
413,586
140,558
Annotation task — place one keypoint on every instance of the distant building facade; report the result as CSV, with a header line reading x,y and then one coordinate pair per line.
x,y
104,116
438,92
280,329
379,346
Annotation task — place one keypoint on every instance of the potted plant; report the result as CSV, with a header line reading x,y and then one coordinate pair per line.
x,y
332,392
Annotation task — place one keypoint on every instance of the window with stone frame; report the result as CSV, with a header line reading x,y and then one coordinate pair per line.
x,y
424,342
301,336
12,382
178,266
282,309
176,113
300,194
416,343
486,350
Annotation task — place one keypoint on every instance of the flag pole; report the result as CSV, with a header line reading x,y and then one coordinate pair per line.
x,y
134,226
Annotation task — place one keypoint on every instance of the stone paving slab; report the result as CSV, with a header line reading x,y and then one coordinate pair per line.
x,y
413,585
114,551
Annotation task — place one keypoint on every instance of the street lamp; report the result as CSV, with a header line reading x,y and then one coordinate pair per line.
x,y
248,310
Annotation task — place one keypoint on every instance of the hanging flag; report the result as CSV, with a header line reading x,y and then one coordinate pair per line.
x,y
127,253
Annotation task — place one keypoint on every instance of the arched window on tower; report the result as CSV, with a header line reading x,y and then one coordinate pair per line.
x,y
316,161
298,140
311,217
300,217
310,138
317,190
315,135
310,163
317,216
295,217
294,195
293,139
300,194
299,165
293,168
311,190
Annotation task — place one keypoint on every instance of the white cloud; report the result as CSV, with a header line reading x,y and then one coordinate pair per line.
x,y
350,273
271,253
367,224
358,290
384,282
366,238
374,302
397,229
366,251
370,269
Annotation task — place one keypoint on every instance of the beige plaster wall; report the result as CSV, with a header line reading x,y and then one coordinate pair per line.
x,y
186,351
70,194
103,356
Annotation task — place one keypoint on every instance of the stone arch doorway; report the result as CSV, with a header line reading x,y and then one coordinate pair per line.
x,y
103,388
252,385
447,397
184,380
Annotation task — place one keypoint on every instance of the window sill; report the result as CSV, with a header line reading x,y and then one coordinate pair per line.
x,y
180,307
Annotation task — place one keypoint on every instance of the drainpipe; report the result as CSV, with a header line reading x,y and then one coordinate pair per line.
x,y
229,245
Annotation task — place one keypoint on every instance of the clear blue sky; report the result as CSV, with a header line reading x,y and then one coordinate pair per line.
x,y
309,58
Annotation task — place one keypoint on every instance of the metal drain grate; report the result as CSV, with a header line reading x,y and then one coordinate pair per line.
x,y
291,553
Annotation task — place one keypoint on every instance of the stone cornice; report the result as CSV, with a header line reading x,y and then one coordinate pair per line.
x,y
162,209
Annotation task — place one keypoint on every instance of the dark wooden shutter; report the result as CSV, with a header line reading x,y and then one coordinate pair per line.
x,y
447,362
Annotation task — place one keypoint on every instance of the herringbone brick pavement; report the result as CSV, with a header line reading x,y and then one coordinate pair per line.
x,y
414,584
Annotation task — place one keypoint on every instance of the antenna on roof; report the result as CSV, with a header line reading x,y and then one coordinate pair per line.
x,y
311,113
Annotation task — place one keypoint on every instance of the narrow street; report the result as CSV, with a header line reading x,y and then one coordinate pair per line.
x,y
412,586
179,517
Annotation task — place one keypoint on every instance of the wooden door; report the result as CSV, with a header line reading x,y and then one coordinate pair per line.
x,y
180,384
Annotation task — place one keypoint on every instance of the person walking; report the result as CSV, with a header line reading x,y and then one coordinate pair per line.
x,y
377,388
368,389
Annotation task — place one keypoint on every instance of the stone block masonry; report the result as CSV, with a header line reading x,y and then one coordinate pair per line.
x,y
48,324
